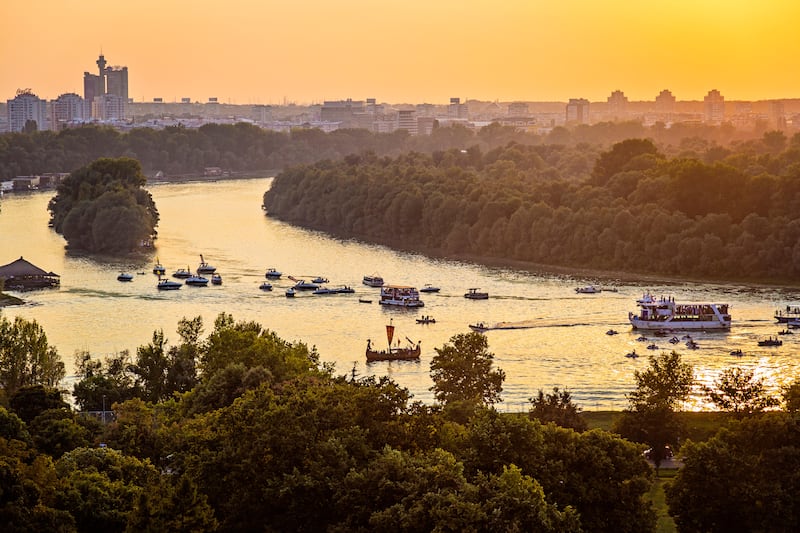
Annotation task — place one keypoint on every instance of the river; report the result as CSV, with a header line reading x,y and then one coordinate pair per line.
x,y
566,347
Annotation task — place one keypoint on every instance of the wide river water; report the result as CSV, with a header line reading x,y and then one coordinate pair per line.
x,y
566,347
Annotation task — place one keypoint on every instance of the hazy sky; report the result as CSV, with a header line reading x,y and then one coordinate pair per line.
x,y
262,51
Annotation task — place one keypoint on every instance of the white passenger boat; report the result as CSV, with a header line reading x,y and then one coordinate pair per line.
x,y
666,314
400,296
373,280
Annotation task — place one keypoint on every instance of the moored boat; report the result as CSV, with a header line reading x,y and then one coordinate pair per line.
x,y
788,315
770,341
266,286
344,289
158,268
124,276
216,279
303,285
400,296
182,273
272,274
429,288
320,280
475,294
426,320
373,281
196,280
589,289
410,352
665,313
290,292
205,268
168,285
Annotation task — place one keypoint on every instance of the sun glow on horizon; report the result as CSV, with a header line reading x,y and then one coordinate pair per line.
x,y
266,51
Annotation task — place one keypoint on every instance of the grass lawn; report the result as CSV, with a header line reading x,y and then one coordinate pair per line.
x,y
664,523
700,426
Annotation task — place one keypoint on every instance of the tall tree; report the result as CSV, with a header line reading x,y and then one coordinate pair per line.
x,y
559,408
462,371
651,413
738,391
26,358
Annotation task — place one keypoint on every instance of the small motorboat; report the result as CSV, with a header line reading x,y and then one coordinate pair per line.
x,y
589,289
303,285
674,340
480,327
319,280
325,290
785,332
205,268
290,292
364,300
475,294
652,346
216,279
344,289
182,273
196,281
632,355
641,338
611,332
770,341
168,285
373,281
158,268
737,353
429,288
692,345
266,286
426,320
272,274
124,276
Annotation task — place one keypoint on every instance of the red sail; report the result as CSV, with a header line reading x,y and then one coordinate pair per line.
x,y
390,333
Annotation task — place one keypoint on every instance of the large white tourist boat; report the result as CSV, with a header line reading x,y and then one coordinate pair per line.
x,y
401,296
665,314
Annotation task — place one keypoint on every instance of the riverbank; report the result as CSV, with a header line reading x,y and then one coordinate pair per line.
x,y
8,300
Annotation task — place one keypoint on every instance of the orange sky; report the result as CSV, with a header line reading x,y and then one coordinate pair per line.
x,y
262,51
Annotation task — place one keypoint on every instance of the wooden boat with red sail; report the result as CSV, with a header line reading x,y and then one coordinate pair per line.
x,y
396,353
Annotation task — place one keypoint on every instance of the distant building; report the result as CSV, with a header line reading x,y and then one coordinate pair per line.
x,y
117,82
714,107
109,107
24,107
350,113
665,103
617,105
407,120
109,81
518,109
456,109
777,114
66,109
578,111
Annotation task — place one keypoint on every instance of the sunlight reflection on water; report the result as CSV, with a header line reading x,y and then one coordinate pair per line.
x,y
567,347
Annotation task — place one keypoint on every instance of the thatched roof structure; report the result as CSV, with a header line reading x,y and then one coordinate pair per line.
x,y
22,274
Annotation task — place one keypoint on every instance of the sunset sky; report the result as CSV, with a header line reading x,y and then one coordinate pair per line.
x,y
264,51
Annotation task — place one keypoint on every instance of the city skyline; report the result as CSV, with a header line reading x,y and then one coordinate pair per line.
x,y
269,52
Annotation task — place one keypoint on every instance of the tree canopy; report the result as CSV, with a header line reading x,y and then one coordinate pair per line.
x,y
103,207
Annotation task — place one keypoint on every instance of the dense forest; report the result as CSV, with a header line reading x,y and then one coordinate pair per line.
x,y
247,148
240,430
720,213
